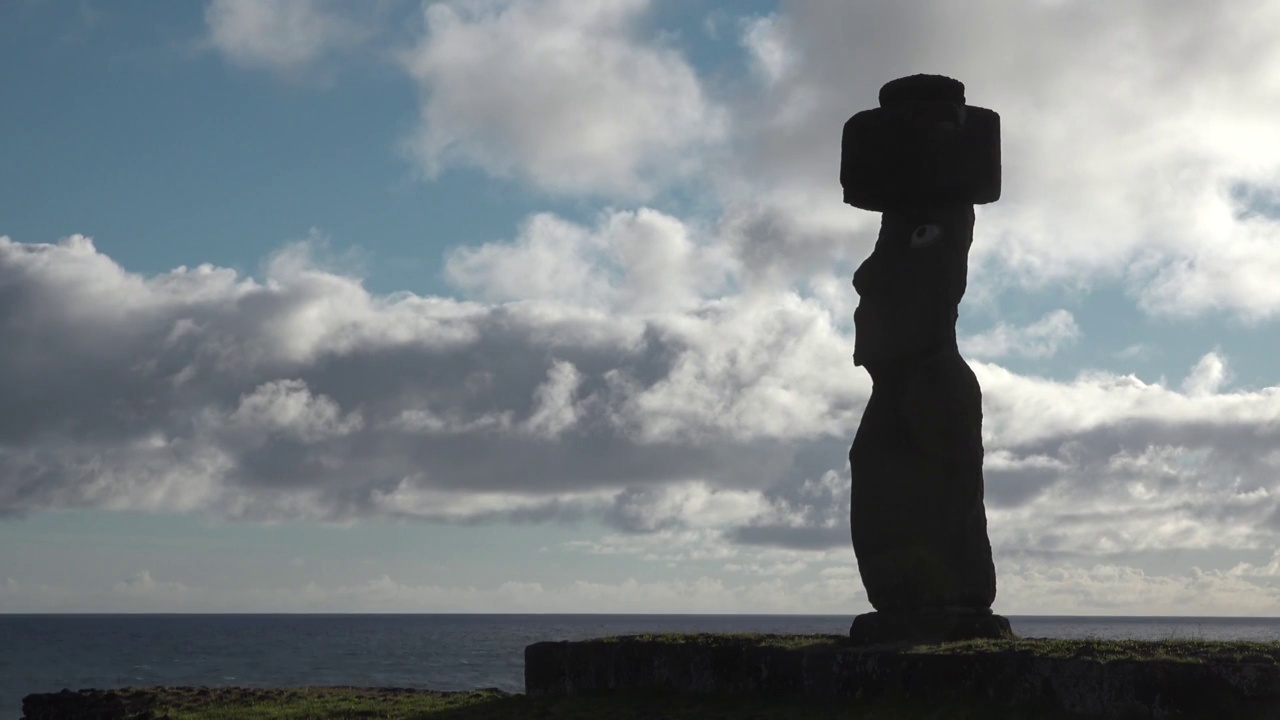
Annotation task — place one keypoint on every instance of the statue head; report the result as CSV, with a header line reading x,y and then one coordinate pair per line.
x,y
923,159
911,285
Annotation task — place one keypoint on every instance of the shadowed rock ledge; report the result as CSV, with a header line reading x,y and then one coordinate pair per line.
x,y
1087,678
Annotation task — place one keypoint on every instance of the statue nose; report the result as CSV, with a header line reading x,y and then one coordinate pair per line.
x,y
865,278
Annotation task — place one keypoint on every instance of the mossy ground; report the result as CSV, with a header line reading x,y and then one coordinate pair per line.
x,y
339,703
721,639
328,703
1099,649
1191,651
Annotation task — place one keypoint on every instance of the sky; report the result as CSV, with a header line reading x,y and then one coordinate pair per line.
x,y
517,306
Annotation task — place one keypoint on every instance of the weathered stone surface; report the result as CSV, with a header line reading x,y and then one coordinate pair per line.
x,y
922,145
921,89
875,628
917,517
837,669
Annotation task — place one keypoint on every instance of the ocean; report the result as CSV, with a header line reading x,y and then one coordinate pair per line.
x,y
46,653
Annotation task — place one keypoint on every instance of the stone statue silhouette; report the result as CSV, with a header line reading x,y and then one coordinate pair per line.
x,y
918,521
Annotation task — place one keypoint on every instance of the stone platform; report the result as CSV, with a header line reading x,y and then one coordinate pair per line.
x,y
1049,678
877,627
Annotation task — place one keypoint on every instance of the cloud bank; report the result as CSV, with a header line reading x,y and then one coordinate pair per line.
x,y
668,373
303,396
566,95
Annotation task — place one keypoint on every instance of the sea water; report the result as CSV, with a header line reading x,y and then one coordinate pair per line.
x,y
46,653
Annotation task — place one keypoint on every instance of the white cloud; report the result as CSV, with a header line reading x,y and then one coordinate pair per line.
x,y
552,260
414,498
633,262
1270,570
1111,465
1207,376
1110,589
143,587
783,569
664,374
287,407
284,36
1026,588
554,410
1040,339
303,396
764,40
563,94
385,594
689,504
1127,131
1161,185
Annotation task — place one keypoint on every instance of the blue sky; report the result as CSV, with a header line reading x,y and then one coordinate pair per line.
x,y
502,305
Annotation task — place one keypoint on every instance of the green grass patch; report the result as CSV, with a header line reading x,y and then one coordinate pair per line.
x,y
307,703
1101,650
1097,649
724,639
327,703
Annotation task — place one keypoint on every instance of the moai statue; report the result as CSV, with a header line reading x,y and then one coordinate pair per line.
x,y
922,159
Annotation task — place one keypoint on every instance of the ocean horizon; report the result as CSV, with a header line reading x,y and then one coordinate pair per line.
x,y
439,651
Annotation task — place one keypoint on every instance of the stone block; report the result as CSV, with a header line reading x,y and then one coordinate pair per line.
x,y
876,628
890,159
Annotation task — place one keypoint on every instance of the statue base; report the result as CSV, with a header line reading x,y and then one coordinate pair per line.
x,y
875,628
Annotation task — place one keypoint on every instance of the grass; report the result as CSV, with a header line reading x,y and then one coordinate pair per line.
x,y
339,703
717,639
333,703
1097,649
1102,650
306,703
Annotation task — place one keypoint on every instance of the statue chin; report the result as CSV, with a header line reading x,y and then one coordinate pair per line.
x,y
904,351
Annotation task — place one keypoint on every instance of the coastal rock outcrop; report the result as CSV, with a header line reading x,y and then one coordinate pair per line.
x,y
91,704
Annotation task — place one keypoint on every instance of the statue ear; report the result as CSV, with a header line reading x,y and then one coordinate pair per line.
x,y
925,235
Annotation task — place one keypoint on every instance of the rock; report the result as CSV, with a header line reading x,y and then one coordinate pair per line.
x,y
918,89
89,704
1007,675
917,519
876,628
923,144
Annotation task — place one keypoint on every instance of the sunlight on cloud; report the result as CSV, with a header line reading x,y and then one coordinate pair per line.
x,y
554,410
411,499
686,380
1026,588
1104,589
561,94
287,407
639,261
765,41
383,593
1039,339
1125,130
285,36
722,413
1207,376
